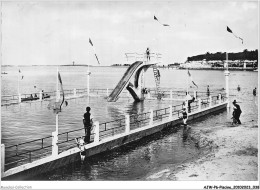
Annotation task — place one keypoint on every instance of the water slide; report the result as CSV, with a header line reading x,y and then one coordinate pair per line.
x,y
124,81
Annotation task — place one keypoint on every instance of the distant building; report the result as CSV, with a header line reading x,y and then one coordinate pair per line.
x,y
174,65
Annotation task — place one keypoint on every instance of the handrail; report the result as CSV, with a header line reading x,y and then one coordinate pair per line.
x,y
29,142
70,91
137,119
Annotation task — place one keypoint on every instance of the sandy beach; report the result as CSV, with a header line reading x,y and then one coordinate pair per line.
x,y
232,156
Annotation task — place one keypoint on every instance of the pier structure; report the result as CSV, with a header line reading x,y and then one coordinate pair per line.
x,y
42,155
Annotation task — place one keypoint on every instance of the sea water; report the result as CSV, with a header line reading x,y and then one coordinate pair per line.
x,y
28,121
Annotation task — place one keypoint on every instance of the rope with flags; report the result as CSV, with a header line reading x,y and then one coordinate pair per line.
x,y
94,50
229,30
155,18
19,78
190,77
20,73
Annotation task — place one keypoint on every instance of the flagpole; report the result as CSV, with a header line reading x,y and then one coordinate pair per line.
x,y
227,59
57,85
88,79
57,100
187,81
18,81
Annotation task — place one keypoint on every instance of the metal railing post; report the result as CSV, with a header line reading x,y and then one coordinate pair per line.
x,y
210,101
75,92
96,131
195,94
170,114
127,124
199,102
219,98
54,143
227,73
149,94
151,118
2,159
40,95
186,104
19,98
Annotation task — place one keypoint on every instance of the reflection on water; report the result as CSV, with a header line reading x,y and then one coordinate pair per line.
x,y
186,134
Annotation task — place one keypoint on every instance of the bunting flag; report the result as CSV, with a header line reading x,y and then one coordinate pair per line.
x,y
154,17
229,30
190,77
56,105
20,73
94,50
61,89
90,42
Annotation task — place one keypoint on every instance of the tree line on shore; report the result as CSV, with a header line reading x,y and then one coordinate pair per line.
x,y
245,55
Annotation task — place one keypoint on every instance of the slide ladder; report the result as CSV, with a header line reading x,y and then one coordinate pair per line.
x,y
157,80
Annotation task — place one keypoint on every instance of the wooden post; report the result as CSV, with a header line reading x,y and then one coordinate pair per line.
x,y
199,102
75,92
151,118
210,101
96,131
54,143
2,159
127,124
107,92
170,114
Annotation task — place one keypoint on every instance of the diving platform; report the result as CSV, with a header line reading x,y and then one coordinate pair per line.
x,y
137,71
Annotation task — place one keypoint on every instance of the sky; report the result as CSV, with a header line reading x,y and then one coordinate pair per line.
x,y
57,33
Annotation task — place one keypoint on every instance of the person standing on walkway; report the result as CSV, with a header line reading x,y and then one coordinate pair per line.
x,y
238,88
184,116
87,125
237,111
254,92
148,54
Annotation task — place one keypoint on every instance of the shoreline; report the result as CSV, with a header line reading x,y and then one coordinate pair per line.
x,y
232,156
